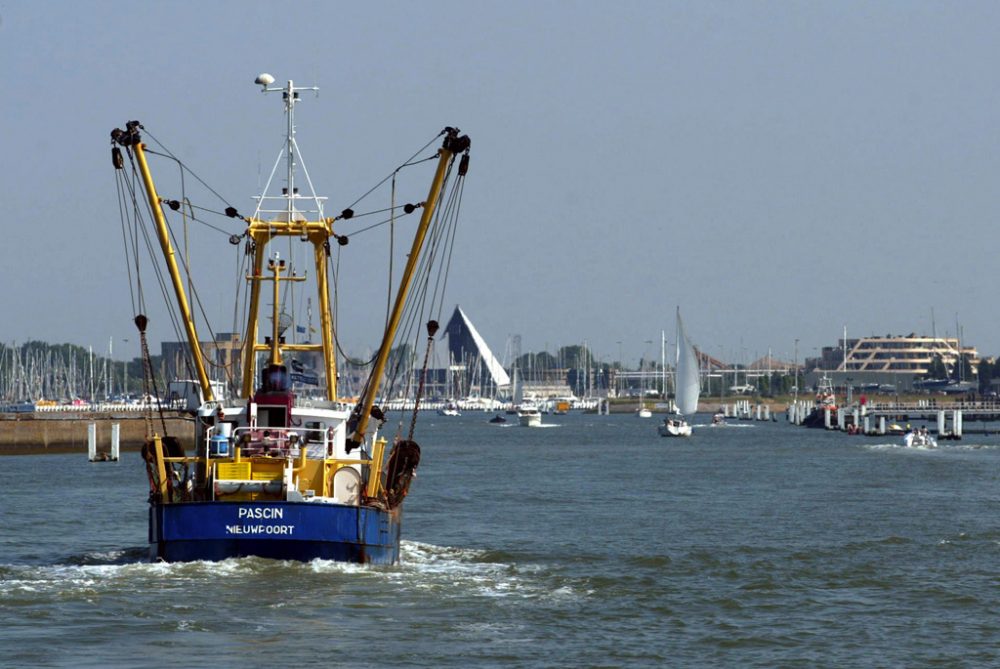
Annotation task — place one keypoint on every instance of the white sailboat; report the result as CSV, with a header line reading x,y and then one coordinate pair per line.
x,y
687,386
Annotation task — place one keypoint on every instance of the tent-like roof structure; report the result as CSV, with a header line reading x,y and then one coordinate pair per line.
x,y
463,337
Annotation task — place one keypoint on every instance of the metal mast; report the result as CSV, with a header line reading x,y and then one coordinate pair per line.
x,y
289,221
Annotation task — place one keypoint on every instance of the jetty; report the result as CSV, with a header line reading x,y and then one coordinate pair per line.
x,y
875,418
67,432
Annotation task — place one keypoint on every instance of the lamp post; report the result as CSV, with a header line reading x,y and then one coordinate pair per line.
x,y
796,363
621,370
642,393
125,374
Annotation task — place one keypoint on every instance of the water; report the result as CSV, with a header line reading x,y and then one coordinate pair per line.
x,y
594,543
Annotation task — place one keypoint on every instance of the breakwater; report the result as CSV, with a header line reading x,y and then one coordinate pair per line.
x,y
67,432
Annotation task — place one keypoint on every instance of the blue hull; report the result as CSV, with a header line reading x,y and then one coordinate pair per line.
x,y
187,531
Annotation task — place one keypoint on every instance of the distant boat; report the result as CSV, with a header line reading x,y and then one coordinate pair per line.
x,y
919,438
643,412
947,386
687,386
449,409
825,400
529,415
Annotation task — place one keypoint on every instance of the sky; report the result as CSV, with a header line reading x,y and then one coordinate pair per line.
x,y
778,170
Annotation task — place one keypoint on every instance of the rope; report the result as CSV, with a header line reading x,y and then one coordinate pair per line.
x,y
170,155
409,161
431,329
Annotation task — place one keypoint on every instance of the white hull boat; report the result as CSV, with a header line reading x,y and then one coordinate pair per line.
x,y
674,427
919,439
529,417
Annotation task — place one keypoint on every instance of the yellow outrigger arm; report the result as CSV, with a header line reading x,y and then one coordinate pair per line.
x,y
175,275
453,144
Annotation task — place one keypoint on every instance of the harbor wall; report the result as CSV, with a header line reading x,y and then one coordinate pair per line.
x,y
62,433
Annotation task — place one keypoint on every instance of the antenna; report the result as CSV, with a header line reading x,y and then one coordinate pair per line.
x,y
290,193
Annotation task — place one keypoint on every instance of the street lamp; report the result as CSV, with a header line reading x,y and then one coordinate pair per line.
x,y
621,369
642,370
796,363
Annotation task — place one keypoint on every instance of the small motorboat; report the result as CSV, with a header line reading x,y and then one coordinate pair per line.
x,y
919,438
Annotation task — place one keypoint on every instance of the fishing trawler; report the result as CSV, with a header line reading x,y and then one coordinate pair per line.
x,y
275,474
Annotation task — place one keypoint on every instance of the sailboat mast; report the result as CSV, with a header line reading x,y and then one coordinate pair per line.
x,y
663,362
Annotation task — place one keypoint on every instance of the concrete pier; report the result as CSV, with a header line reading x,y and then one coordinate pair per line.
x,y
62,433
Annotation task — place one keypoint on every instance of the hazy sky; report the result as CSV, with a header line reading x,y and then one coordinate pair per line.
x,y
777,169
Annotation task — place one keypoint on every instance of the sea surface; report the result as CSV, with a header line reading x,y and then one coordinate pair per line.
x,y
591,542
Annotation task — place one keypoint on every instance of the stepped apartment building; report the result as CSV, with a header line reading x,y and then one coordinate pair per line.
x,y
890,360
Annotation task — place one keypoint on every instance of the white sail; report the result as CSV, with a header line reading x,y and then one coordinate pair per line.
x,y
687,382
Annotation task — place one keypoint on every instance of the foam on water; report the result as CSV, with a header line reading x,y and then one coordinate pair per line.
x,y
445,571
951,447
464,571
726,426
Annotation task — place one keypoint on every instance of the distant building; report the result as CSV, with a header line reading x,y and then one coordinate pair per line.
x,y
773,365
223,358
891,360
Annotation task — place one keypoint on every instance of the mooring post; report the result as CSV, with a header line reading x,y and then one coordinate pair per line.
x,y
92,441
115,440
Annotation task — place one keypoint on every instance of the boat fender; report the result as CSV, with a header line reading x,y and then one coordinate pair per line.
x,y
402,466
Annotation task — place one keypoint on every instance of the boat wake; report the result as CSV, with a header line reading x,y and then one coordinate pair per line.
x,y
441,571
727,426
952,447
461,572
